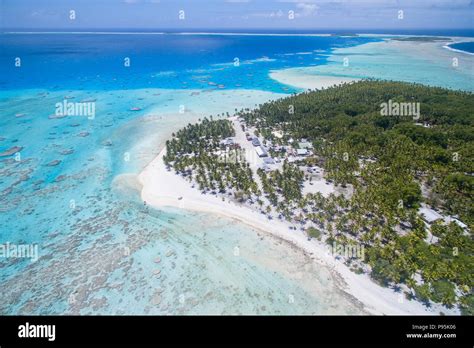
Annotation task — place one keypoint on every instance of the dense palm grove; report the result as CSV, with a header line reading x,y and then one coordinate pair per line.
x,y
195,149
393,164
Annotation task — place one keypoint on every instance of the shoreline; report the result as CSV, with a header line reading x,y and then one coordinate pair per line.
x,y
163,188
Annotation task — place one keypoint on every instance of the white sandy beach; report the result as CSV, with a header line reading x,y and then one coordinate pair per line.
x,y
162,188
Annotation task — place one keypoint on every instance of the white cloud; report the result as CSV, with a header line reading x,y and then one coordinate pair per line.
x,y
307,9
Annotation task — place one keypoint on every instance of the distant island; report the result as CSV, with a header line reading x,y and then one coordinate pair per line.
x,y
422,38
393,188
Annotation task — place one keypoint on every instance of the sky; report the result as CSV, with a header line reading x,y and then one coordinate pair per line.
x,y
236,14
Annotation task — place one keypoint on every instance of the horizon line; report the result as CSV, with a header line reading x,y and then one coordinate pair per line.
x,y
164,29
220,33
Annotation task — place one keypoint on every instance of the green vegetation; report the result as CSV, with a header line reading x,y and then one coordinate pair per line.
x,y
313,232
287,183
467,305
393,164
389,155
387,166
195,152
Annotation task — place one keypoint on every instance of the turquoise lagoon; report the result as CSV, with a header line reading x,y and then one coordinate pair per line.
x,y
73,190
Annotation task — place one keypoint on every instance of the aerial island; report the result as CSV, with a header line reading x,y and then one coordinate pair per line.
x,y
389,197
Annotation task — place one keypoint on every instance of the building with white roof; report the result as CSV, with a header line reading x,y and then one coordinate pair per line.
x,y
261,151
305,145
302,152
429,215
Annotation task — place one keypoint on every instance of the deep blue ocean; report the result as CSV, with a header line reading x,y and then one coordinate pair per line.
x,y
464,46
82,61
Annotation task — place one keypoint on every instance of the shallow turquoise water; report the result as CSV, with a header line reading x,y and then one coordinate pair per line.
x,y
97,255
